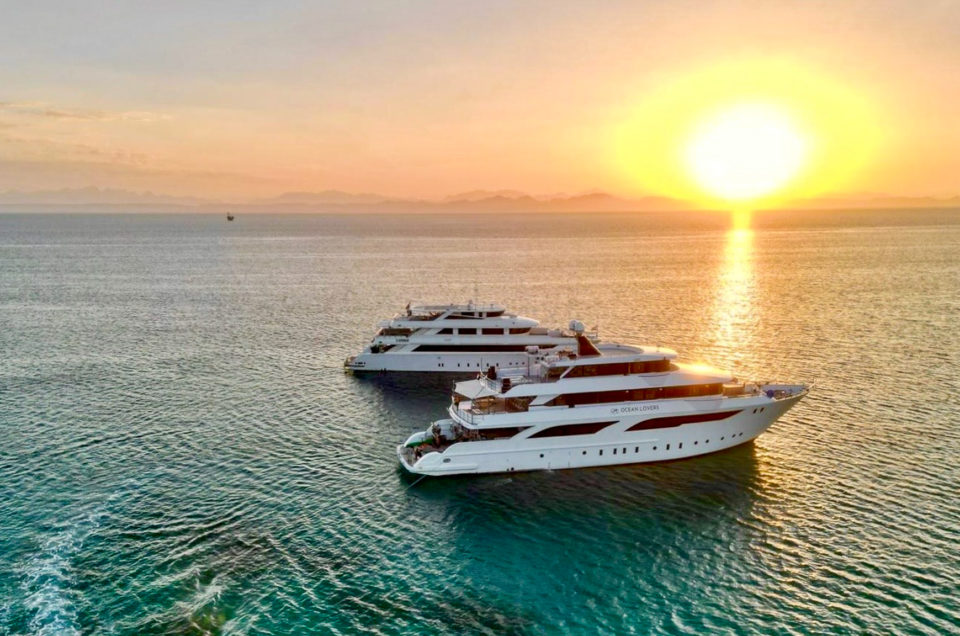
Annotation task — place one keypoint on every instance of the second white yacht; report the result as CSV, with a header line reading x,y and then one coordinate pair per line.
x,y
464,338
599,406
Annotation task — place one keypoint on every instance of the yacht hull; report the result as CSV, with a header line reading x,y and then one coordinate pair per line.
x,y
375,363
612,446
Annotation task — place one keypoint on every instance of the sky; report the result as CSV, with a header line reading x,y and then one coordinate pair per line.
x,y
425,99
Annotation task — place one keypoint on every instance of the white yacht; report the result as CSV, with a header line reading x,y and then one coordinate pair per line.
x,y
464,338
598,406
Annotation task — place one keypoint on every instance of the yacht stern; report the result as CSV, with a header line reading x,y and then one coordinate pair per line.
x,y
424,452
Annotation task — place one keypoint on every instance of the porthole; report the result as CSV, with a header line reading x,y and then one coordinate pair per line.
x,y
668,446
446,460
624,451
680,445
654,448
584,452
722,438
601,451
636,449
541,455
695,442
614,451
707,442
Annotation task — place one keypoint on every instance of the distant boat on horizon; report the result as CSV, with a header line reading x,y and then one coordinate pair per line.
x,y
229,216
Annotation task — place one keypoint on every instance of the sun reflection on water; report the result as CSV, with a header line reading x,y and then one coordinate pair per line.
x,y
733,316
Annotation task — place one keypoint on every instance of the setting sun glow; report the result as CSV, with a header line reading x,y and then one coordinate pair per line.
x,y
747,134
745,152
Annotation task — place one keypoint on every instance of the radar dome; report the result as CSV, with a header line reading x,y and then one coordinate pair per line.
x,y
577,327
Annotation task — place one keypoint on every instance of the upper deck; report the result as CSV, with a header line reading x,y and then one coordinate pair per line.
x,y
606,368
457,315
468,310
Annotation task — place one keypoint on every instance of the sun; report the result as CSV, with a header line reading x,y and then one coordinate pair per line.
x,y
747,133
745,152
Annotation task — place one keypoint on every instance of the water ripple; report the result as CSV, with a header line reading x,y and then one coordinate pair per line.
x,y
180,452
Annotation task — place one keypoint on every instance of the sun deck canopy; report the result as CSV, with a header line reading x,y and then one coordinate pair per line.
x,y
473,389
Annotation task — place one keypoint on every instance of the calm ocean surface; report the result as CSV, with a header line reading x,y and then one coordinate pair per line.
x,y
181,453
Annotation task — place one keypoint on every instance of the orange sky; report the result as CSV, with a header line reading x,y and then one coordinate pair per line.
x,y
428,99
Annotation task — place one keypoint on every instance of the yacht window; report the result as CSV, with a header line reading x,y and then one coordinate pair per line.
x,y
518,404
446,332
564,430
692,390
519,330
595,397
489,331
650,366
467,332
679,420
591,370
500,433
645,394
618,368
395,331
555,372
472,348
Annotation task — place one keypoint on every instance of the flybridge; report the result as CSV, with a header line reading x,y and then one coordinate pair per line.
x,y
461,317
616,372
469,310
606,359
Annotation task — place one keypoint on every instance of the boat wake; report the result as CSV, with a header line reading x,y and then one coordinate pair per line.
x,y
47,578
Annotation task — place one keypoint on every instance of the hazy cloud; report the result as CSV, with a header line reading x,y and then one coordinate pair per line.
x,y
41,109
26,174
51,149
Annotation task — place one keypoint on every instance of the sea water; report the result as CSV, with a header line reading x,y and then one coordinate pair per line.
x,y
181,452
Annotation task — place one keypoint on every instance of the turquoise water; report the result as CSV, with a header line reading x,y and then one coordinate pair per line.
x,y
180,452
